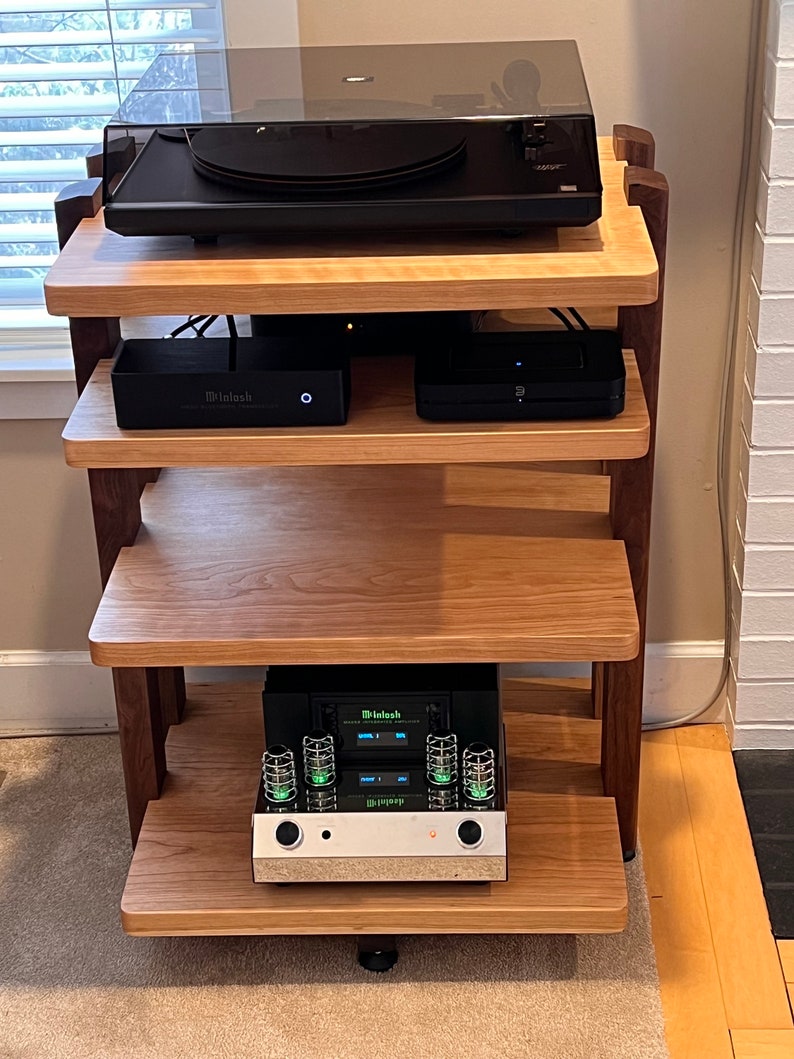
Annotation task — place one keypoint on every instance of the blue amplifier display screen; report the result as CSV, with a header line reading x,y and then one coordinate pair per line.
x,y
377,738
384,779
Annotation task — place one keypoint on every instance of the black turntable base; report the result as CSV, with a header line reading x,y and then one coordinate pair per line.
x,y
459,177
493,136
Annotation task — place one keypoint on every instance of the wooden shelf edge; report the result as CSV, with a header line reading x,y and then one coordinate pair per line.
x,y
534,921
322,651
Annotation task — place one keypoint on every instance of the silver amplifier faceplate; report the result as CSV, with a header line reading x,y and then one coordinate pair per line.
x,y
388,846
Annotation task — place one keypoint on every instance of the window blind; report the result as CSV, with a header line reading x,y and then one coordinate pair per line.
x,y
64,70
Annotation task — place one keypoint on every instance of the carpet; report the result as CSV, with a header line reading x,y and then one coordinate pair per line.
x,y
73,986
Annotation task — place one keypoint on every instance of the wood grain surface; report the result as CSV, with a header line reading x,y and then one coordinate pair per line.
x,y
754,992
610,262
382,428
689,976
364,564
191,871
763,1044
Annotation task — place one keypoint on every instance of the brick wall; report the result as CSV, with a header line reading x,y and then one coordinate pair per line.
x,y
761,690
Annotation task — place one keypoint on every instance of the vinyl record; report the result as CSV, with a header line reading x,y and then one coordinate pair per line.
x,y
318,157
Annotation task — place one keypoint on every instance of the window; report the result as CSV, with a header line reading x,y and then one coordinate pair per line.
x,y
65,70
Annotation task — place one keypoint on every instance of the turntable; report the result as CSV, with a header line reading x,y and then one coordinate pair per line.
x,y
410,137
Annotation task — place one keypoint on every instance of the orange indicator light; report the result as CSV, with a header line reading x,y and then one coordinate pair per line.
x,y
432,834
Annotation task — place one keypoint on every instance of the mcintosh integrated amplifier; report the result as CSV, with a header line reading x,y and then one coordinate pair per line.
x,y
497,136
381,773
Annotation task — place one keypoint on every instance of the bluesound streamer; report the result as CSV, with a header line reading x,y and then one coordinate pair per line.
x,y
521,375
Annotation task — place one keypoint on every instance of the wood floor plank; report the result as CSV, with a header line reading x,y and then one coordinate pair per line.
x,y
786,951
763,1044
753,989
695,1021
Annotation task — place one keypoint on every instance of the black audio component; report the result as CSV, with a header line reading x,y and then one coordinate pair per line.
x,y
398,137
383,773
521,375
222,382
380,712
366,334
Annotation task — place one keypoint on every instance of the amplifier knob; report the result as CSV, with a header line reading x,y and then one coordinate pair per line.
x,y
288,834
469,833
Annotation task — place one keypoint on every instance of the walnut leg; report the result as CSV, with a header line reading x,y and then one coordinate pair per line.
x,y
141,738
171,688
620,684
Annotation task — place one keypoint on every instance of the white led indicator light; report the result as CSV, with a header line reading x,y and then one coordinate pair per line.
x,y
306,398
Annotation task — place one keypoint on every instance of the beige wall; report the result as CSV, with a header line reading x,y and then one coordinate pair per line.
x,y
49,578
677,68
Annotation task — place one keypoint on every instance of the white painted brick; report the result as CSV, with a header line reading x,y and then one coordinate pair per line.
x,y
770,371
764,520
760,702
768,473
769,423
750,361
764,737
738,574
777,148
779,88
766,658
780,32
771,318
775,206
773,263
737,602
747,411
766,567
762,197
766,614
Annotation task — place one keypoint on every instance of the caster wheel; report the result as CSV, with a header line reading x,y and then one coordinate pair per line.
x,y
379,961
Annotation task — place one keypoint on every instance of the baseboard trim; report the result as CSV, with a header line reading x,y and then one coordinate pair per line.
x,y
680,678
58,692
54,693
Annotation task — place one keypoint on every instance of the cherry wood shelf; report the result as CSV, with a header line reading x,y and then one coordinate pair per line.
x,y
382,428
607,263
191,870
455,563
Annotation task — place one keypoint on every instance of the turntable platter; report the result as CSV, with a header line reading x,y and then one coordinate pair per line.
x,y
319,157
